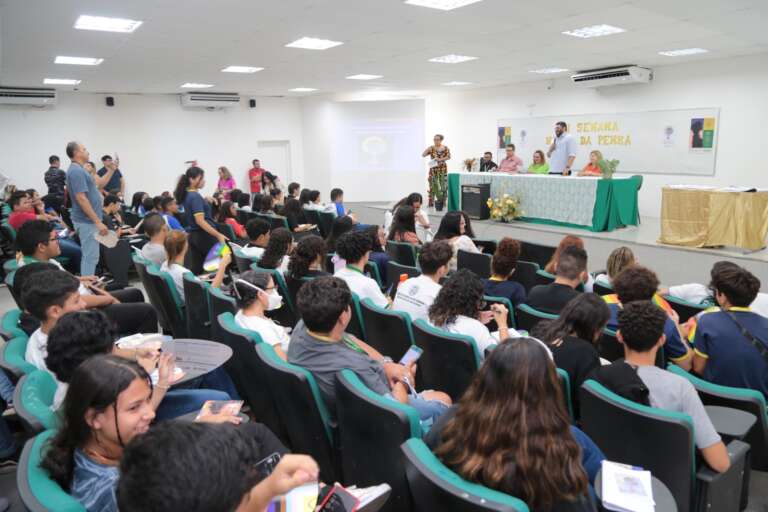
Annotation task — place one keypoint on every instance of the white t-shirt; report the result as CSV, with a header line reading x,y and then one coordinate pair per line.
x,y
253,251
37,349
177,274
698,293
463,243
81,289
270,332
363,286
415,295
283,268
479,332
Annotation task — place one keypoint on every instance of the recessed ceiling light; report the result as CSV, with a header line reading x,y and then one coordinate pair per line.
x,y
79,61
547,71
456,83
363,77
102,23
594,31
443,5
452,59
240,69
302,89
61,81
683,52
193,85
312,43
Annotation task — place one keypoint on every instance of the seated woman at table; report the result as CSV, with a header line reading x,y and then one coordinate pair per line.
x,y
256,294
592,168
403,228
453,229
539,165
176,246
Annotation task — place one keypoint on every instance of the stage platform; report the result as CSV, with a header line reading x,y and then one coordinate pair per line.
x,y
673,264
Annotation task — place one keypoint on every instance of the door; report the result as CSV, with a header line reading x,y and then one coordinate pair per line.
x,y
275,156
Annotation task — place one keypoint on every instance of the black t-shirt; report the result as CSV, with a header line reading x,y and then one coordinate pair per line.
x,y
579,359
550,298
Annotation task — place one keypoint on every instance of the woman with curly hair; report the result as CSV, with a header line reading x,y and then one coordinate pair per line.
x,y
277,251
503,266
307,261
458,309
510,432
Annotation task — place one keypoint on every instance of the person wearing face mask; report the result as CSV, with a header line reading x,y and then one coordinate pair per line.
x,y
256,294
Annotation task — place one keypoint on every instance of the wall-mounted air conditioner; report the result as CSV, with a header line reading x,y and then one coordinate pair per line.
x,y
35,96
612,76
210,99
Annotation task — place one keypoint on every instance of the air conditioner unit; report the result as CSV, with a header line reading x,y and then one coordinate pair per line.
x,y
210,99
35,96
612,76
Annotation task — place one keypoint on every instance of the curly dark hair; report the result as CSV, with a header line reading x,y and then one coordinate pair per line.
x,y
279,243
461,294
641,324
635,283
353,245
306,252
76,337
45,289
340,226
738,284
506,255
321,302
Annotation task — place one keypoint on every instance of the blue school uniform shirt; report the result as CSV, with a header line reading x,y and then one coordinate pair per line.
x,y
731,359
511,290
172,222
195,203
94,484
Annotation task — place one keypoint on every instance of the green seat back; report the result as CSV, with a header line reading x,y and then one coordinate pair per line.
x,y
387,330
227,321
10,265
372,269
10,324
565,383
13,354
507,304
33,399
526,317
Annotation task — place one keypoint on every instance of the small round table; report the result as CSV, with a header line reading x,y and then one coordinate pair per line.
x,y
196,357
663,498
730,423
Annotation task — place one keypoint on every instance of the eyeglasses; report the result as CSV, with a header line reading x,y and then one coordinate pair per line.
x,y
53,240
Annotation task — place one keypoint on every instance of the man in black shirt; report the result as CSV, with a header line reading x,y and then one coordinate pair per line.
x,y
570,271
55,178
486,163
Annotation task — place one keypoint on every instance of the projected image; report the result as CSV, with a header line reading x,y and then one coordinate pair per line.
x,y
375,149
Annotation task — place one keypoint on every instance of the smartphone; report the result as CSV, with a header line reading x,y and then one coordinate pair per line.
x,y
265,466
410,357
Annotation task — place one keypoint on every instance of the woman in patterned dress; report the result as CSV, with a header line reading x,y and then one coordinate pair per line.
x,y
439,154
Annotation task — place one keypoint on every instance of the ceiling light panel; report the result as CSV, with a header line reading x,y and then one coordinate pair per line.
x,y
195,85
363,76
594,31
548,71
60,81
105,24
240,69
452,59
78,61
312,43
302,89
683,52
457,83
443,5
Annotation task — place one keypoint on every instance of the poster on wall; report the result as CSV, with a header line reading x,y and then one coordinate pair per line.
x,y
674,142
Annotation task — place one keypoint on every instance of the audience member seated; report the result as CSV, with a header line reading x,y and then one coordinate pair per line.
x,y
155,470
570,272
641,331
157,231
730,341
277,253
336,206
294,214
293,190
458,309
511,432
136,203
320,344
258,237
27,322
112,218
567,241
278,200
503,266
307,259
573,339
228,215
379,254
453,229
414,200
176,246
243,201
148,206
170,208
619,259
403,227
416,294
340,226
38,243
698,293
313,201
355,248
267,204
639,283
22,210
256,293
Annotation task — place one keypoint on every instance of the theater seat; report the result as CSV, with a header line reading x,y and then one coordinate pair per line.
x,y
197,311
402,253
12,358
36,489
435,487
33,398
242,261
478,263
525,274
395,270
356,325
171,306
387,330
684,309
565,386
371,429
601,289
219,302
526,317
285,315
449,361
10,324
663,443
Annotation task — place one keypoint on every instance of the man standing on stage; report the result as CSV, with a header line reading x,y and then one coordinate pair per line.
x,y
562,152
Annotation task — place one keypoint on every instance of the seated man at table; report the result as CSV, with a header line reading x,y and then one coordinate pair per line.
x,y
486,163
320,344
511,164
641,331
636,283
730,341
570,272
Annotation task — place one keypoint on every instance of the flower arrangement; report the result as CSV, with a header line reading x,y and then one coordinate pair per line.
x,y
608,167
469,163
505,208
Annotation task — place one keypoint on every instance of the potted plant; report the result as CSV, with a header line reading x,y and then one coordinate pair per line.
x,y
608,167
469,164
438,184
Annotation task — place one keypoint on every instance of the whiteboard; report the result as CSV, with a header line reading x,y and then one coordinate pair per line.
x,y
653,142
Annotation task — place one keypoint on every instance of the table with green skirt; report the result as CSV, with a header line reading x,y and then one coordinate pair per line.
x,y
589,203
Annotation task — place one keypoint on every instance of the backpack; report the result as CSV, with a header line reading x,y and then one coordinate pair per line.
x,y
622,379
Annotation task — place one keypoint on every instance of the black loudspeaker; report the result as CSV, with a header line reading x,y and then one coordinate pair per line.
x,y
110,101
252,103
474,200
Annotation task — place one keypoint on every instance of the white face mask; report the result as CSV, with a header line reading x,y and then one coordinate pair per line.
x,y
274,300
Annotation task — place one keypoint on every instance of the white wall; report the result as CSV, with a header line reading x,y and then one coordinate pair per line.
x,y
153,135
737,86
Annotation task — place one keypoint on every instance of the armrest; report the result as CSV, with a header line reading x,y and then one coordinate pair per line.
x,y
13,372
723,491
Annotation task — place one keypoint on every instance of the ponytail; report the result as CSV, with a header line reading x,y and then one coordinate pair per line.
x,y
185,181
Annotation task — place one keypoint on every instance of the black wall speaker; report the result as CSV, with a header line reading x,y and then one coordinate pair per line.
x,y
110,101
474,200
252,103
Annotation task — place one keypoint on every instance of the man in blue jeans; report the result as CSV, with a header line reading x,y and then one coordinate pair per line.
x,y
86,212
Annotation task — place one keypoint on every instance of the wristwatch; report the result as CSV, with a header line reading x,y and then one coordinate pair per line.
x,y
387,359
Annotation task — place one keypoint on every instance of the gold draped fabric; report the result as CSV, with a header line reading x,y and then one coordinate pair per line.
x,y
708,218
